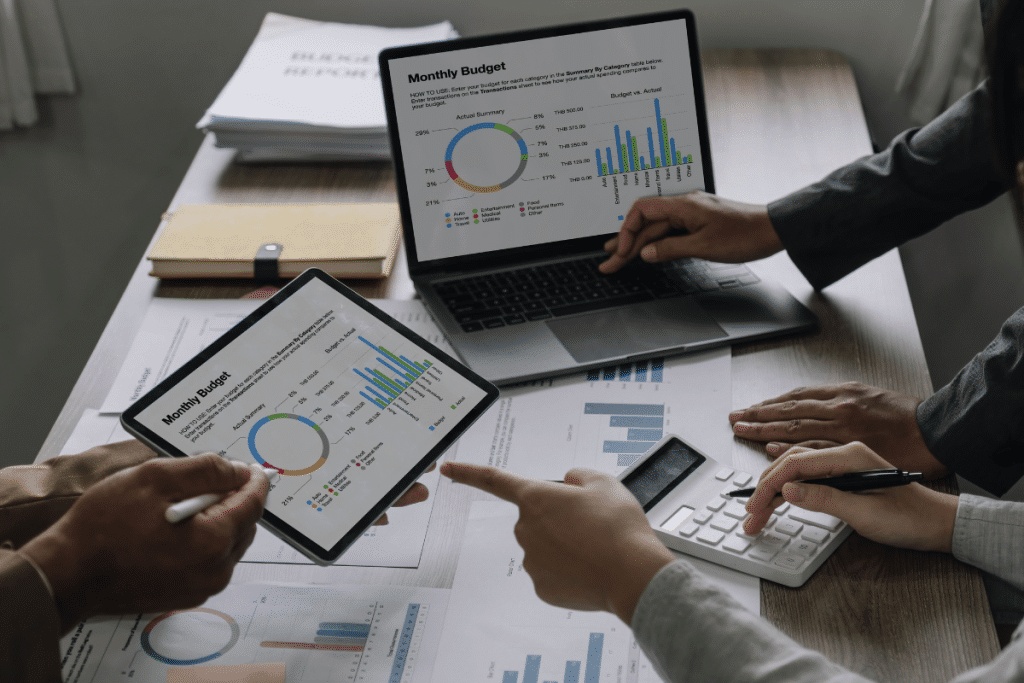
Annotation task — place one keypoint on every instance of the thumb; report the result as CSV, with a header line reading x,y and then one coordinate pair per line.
x,y
851,508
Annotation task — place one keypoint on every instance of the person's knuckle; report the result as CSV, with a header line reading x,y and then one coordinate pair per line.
x,y
793,426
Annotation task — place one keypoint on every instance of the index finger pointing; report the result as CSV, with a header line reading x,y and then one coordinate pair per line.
x,y
500,483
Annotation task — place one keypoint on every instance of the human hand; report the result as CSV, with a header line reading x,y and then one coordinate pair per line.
x,y
884,420
588,545
114,553
910,516
713,228
417,493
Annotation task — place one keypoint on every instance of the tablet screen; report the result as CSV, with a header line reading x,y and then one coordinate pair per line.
x,y
327,393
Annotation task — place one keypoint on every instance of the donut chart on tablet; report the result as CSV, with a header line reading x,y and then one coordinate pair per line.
x,y
449,165
267,460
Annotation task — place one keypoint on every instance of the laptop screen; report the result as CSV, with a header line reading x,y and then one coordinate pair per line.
x,y
538,140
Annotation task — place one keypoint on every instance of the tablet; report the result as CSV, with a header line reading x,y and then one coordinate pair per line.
x,y
349,405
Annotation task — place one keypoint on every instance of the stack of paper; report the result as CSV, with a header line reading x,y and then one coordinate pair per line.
x,y
310,90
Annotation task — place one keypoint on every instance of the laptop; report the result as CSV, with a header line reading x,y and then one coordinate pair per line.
x,y
517,156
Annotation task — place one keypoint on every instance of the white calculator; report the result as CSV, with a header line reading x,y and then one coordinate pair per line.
x,y
685,495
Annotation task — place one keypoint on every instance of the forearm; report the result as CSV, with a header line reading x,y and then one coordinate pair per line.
x,y
29,624
972,425
33,497
866,208
989,534
692,631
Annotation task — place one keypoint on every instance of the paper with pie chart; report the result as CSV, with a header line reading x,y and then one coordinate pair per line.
x,y
264,632
334,399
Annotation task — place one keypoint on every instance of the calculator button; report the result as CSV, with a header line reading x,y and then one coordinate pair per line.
x,y
770,538
726,491
724,524
710,536
790,562
735,510
688,529
702,516
736,544
769,523
815,535
747,537
716,504
788,527
818,519
742,479
765,553
805,548
723,475
781,510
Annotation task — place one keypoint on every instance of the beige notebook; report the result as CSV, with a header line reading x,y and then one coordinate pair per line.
x,y
222,240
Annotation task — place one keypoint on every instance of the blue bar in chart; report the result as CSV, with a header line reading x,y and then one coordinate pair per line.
x,y
635,434
609,374
572,672
643,164
623,409
599,171
593,671
638,421
631,144
657,365
369,398
593,375
650,143
404,642
510,677
672,142
625,372
404,368
611,166
627,446
531,673
641,371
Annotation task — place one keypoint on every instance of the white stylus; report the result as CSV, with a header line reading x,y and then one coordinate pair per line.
x,y
193,506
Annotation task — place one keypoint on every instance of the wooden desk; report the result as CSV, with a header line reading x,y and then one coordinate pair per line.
x,y
779,119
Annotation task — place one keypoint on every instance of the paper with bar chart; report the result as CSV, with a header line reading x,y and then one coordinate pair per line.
x,y
325,393
607,418
497,629
365,633
542,140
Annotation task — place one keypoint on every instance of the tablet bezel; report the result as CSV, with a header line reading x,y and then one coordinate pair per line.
x,y
281,528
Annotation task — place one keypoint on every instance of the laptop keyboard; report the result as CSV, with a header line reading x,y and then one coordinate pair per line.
x,y
513,297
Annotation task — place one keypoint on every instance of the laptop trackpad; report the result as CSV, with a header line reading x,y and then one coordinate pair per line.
x,y
635,329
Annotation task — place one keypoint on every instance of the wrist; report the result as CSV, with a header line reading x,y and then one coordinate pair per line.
x,y
638,567
941,522
59,560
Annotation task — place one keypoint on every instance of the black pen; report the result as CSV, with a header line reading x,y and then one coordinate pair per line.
x,y
855,481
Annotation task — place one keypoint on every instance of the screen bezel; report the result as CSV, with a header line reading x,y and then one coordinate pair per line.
x,y
549,249
129,418
651,460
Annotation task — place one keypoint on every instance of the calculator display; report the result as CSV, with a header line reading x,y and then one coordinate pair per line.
x,y
662,472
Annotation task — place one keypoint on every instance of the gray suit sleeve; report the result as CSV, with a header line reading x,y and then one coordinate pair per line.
x,y
974,424
692,631
866,208
989,534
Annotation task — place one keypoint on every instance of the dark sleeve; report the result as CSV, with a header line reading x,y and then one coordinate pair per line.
x,y
974,424
859,212
29,624
33,497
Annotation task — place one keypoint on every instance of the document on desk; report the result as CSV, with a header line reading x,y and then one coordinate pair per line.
x,y
172,332
606,420
497,629
267,632
397,544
